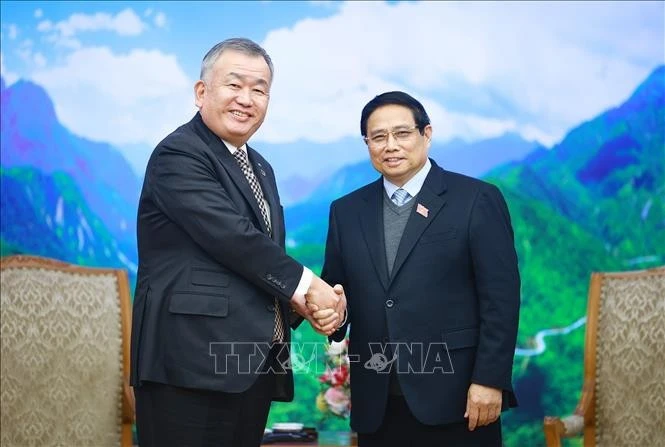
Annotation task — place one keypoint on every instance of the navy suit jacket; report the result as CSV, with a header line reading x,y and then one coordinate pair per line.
x,y
208,270
450,309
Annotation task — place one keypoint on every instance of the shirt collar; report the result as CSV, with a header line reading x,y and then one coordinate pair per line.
x,y
413,186
232,148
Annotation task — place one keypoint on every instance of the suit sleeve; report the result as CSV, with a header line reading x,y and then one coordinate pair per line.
x,y
185,187
333,268
498,287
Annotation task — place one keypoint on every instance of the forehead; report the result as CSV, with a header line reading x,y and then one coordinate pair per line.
x,y
389,116
230,61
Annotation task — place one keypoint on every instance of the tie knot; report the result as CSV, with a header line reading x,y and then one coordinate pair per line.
x,y
241,157
400,197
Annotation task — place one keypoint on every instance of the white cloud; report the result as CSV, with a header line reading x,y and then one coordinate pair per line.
x,y
24,51
64,42
38,13
9,76
39,60
548,66
12,31
125,23
160,20
45,25
148,12
131,98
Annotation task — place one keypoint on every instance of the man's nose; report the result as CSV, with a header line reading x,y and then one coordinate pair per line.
x,y
391,143
244,97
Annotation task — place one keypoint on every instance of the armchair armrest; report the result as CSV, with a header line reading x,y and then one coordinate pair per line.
x,y
556,428
128,403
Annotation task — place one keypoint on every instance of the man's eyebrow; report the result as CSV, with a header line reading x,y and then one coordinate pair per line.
x,y
396,128
246,78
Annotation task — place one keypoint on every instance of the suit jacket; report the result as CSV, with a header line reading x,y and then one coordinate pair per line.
x,y
450,308
208,270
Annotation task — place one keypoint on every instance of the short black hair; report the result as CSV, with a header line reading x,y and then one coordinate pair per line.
x,y
399,99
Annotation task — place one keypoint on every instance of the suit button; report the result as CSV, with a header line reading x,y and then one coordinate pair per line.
x,y
389,303
270,307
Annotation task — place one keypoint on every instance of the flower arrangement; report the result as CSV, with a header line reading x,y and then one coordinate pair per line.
x,y
335,395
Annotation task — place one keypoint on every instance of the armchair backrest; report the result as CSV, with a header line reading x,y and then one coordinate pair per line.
x,y
65,354
625,358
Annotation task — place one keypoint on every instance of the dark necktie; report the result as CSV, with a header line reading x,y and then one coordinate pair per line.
x,y
243,161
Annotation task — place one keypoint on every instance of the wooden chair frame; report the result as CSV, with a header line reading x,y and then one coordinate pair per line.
x,y
582,421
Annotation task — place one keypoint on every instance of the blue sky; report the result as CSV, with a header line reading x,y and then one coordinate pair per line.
x,y
123,72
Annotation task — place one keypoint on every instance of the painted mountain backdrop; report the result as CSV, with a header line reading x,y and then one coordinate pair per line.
x,y
62,195
595,201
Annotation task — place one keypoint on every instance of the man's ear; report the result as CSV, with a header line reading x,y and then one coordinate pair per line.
x,y
199,93
428,133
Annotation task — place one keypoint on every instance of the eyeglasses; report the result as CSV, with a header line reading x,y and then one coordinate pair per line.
x,y
380,139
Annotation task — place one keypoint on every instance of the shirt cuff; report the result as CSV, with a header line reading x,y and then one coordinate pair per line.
x,y
305,282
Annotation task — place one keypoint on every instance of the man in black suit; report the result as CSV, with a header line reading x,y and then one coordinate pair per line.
x,y
427,261
210,331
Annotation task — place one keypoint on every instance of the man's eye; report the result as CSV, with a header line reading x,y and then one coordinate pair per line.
x,y
258,91
234,86
402,134
379,138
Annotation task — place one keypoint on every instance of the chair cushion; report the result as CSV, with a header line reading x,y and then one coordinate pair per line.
x,y
630,360
61,358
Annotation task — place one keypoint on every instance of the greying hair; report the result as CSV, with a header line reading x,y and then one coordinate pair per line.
x,y
239,44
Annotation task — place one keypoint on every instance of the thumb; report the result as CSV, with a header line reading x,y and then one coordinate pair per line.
x,y
339,290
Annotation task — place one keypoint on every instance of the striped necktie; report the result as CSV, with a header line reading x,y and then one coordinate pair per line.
x,y
400,197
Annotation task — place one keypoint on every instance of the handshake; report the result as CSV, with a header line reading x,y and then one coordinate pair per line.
x,y
322,305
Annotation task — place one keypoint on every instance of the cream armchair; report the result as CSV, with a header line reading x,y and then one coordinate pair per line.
x,y
623,397
65,354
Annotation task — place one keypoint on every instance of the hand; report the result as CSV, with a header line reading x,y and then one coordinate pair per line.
x,y
323,321
341,305
483,405
340,310
321,295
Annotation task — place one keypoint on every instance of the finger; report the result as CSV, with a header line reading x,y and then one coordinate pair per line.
x,y
483,415
313,307
323,313
329,320
473,417
339,290
331,327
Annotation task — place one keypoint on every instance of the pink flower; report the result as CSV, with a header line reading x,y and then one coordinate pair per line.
x,y
338,401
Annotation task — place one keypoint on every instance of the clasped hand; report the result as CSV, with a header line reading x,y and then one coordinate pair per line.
x,y
323,306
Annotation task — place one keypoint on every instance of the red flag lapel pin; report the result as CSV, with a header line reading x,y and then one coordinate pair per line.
x,y
420,209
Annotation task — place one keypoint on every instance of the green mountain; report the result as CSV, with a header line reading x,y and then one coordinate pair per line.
x,y
47,215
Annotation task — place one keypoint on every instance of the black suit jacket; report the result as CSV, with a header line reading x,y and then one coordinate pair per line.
x,y
450,308
208,271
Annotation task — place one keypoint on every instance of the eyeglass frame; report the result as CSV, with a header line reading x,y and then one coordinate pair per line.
x,y
368,140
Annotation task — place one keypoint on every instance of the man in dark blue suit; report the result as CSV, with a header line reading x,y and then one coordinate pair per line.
x,y
427,260
215,288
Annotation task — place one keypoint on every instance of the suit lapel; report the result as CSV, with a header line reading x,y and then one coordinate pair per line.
x,y
371,222
430,197
269,194
233,168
